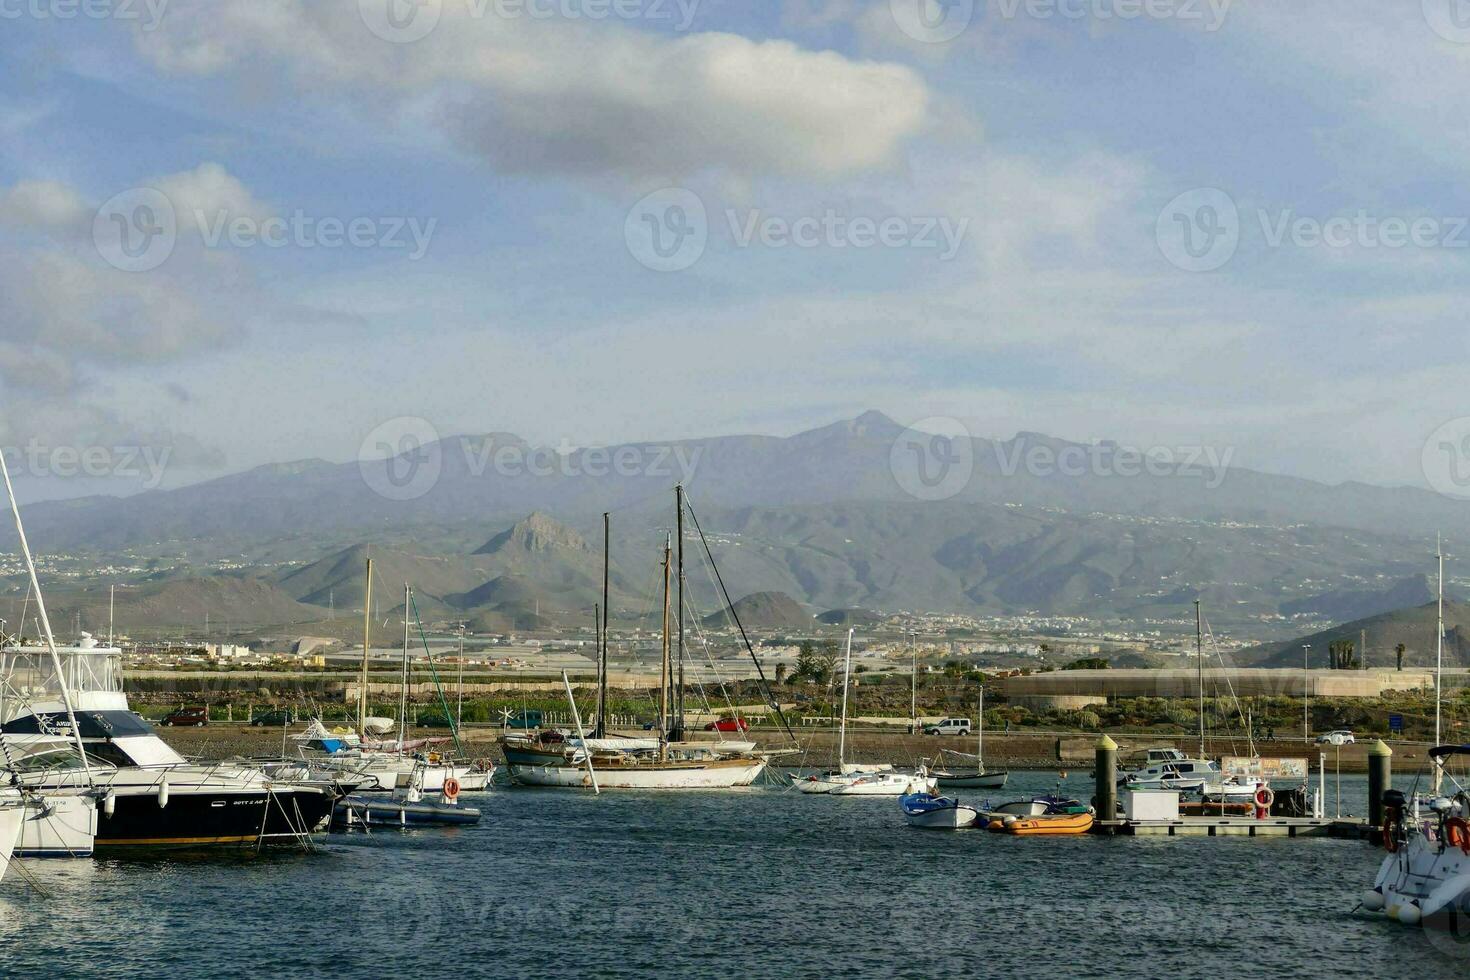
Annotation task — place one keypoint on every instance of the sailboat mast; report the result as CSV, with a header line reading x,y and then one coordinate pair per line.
x,y
846,675
20,531
403,687
1439,663
679,693
980,732
367,628
459,692
663,672
1199,653
601,728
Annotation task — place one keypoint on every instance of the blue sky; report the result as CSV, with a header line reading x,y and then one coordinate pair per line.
x,y
1035,172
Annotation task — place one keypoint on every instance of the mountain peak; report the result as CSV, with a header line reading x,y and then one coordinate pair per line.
x,y
534,533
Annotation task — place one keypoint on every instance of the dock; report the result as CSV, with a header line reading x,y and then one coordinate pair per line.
x,y
1236,827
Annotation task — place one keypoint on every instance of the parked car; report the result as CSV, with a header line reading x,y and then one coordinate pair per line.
x,y
273,718
435,720
1340,737
524,719
728,725
186,717
949,726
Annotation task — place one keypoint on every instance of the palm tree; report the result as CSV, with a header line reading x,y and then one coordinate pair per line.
x,y
1341,652
1399,652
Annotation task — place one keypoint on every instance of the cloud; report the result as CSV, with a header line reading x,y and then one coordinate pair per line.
x,y
43,204
566,97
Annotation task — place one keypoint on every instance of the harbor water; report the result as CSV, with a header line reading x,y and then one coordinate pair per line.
x,y
759,883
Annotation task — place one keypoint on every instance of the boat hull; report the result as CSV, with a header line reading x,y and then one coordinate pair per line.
x,y
937,813
1051,825
716,774
59,825
11,819
210,818
988,780
890,784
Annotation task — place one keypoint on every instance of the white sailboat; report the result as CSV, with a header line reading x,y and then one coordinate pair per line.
x,y
978,777
858,780
12,817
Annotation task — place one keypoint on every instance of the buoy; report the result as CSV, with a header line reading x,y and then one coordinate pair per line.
x,y
163,793
109,804
451,789
1409,915
1457,832
1373,900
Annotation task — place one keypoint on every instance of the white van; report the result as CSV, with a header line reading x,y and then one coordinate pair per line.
x,y
949,726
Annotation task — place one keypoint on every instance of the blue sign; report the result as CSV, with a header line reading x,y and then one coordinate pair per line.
x,y
1396,723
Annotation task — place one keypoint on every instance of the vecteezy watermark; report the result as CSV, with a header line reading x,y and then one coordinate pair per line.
x,y
669,230
406,21
37,458
404,458
1450,19
146,14
137,230
1210,14
1200,230
833,229
935,459
1445,458
932,21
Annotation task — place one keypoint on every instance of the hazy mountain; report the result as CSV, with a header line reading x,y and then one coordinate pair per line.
x,y
848,617
831,517
222,601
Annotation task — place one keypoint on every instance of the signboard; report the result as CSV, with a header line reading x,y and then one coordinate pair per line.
x,y
1244,765
1396,724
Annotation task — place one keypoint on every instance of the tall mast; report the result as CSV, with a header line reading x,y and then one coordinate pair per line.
x,y
1199,653
367,628
846,674
403,687
664,672
679,693
459,707
20,531
601,728
1439,663
980,733
597,655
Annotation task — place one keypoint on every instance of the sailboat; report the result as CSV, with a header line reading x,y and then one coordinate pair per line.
x,y
609,762
976,778
12,818
857,780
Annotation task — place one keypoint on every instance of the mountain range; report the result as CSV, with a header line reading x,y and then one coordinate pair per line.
x,y
838,517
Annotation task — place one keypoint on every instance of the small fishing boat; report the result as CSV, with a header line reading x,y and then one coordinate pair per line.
x,y
937,812
1051,824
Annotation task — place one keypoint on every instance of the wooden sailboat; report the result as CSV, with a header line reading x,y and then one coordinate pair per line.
x,y
971,778
610,762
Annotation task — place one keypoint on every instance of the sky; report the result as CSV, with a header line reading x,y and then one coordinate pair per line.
x,y
235,233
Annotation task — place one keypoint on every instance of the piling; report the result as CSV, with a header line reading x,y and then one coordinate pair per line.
x,y
1380,781
1105,799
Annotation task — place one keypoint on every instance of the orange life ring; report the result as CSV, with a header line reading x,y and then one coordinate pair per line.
x,y
451,788
1457,832
1390,837
1264,797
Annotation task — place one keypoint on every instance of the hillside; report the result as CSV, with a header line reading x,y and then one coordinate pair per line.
x,y
222,601
1413,627
763,610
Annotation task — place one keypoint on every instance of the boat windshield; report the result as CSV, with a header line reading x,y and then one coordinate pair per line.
x,y
48,760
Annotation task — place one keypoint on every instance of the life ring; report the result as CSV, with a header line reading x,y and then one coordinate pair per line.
x,y
1390,832
1457,832
451,788
1264,797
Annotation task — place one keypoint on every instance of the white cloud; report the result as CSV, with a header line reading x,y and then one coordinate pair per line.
x,y
43,204
535,96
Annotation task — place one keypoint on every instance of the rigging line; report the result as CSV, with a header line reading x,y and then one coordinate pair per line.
x,y
1229,685
770,696
702,639
434,672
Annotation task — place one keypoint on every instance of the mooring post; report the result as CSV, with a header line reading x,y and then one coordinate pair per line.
x,y
1380,781
1106,775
